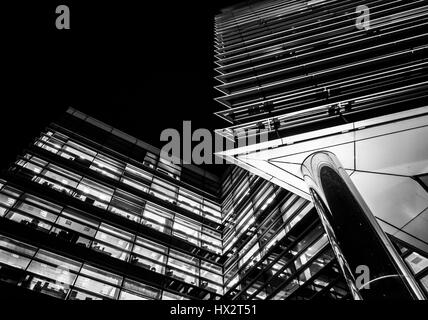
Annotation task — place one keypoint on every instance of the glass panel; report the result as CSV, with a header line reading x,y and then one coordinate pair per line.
x,y
125,295
171,296
58,273
101,275
107,167
62,262
152,245
53,288
110,251
138,173
424,179
41,210
157,218
51,142
212,287
121,246
417,262
35,165
424,282
149,259
17,246
68,223
141,289
118,233
189,201
97,287
94,193
63,181
71,236
171,169
126,205
211,276
182,270
13,259
5,202
212,267
183,256
164,190
249,255
11,191
211,209
187,229
135,184
28,220
78,153
310,252
150,160
78,295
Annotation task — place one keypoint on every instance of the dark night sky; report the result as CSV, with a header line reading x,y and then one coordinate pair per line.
x,y
138,66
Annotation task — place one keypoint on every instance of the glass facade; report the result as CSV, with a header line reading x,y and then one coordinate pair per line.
x,y
294,70
83,220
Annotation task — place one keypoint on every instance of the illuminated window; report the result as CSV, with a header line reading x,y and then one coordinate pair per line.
x,y
157,218
94,193
107,167
164,190
417,262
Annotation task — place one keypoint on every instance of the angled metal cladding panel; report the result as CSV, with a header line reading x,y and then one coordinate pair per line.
x,y
287,64
296,66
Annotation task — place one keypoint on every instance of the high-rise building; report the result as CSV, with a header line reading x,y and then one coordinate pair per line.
x,y
89,212
341,89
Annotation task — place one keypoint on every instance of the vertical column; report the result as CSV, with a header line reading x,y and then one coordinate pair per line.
x,y
356,238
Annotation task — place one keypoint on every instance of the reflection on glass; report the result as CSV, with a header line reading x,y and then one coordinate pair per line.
x,y
157,218
58,179
135,184
125,295
185,271
13,259
42,210
79,295
171,296
417,262
187,229
163,190
5,202
150,160
126,205
46,286
97,287
141,289
107,167
78,153
104,285
424,282
189,201
17,246
33,222
94,193
138,173
169,168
